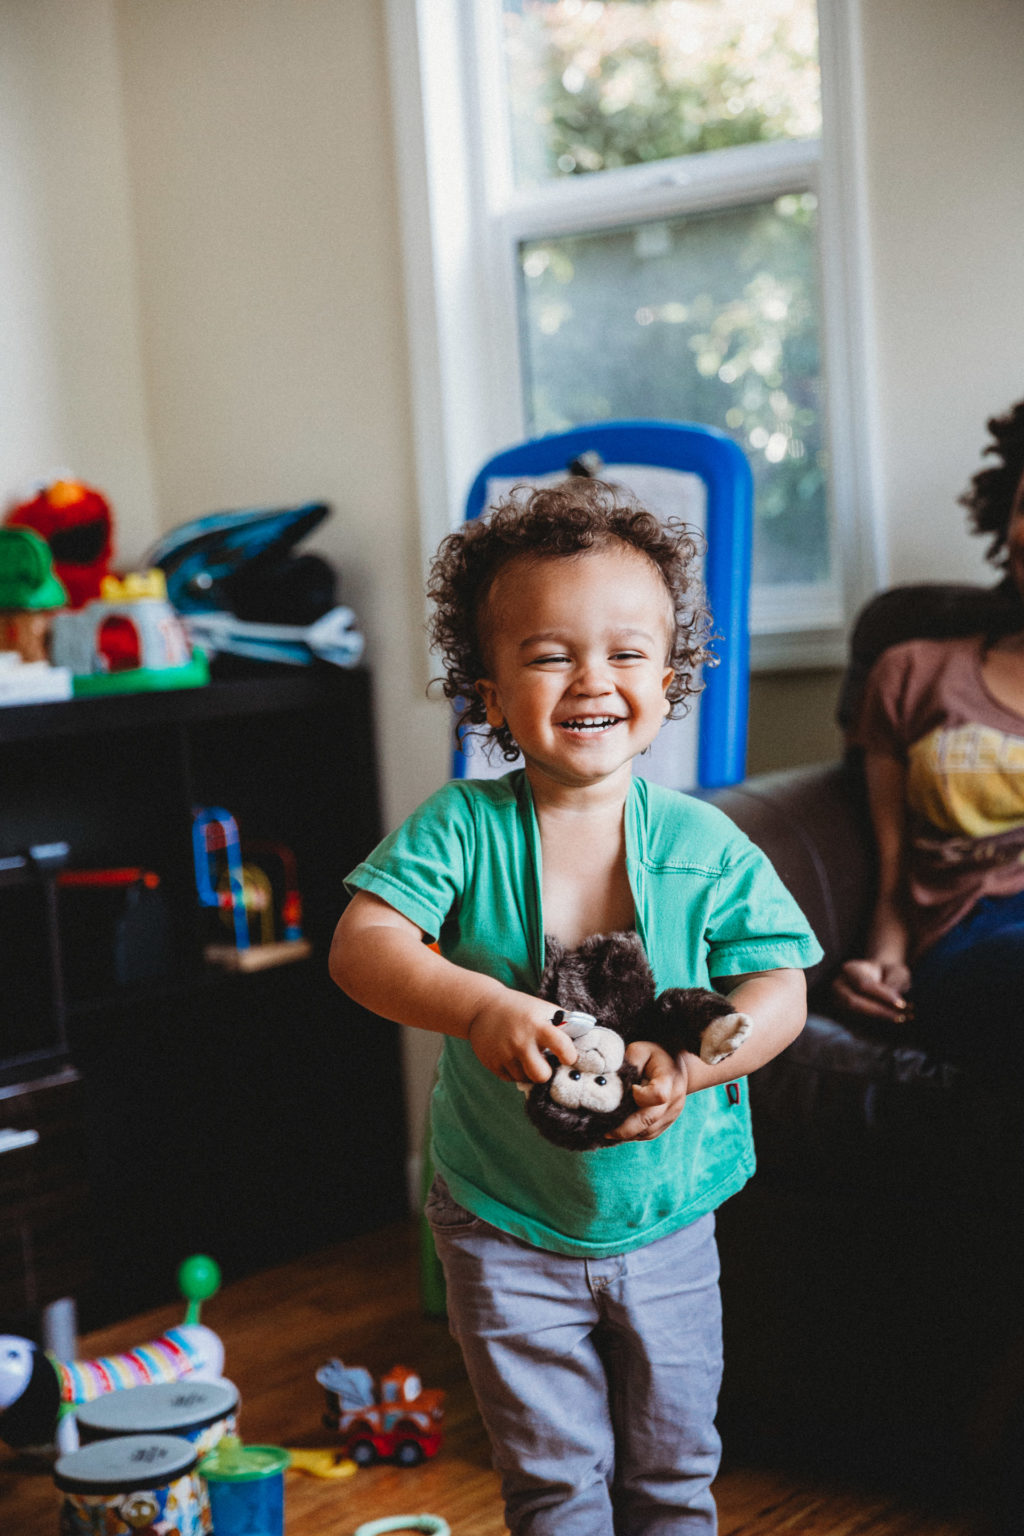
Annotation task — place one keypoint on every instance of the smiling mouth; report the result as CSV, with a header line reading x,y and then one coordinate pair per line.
x,y
599,723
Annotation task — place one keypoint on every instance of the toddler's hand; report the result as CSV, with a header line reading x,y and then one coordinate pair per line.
x,y
660,1095
510,1035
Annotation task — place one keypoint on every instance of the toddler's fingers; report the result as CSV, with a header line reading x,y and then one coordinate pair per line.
x,y
655,1091
551,1038
535,1066
657,1072
645,1125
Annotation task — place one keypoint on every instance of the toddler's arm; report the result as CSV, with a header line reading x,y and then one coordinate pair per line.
x,y
776,1002
380,959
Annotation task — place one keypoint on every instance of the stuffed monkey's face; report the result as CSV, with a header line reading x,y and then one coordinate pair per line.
x,y
593,1081
573,1089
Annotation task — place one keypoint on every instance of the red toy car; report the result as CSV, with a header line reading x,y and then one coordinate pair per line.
x,y
402,1424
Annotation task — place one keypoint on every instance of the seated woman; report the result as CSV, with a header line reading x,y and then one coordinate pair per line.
x,y
942,730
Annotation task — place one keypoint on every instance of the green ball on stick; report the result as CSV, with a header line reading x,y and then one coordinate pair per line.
x,y
198,1279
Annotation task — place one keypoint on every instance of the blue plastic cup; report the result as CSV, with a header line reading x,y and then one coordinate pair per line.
x,y
246,1487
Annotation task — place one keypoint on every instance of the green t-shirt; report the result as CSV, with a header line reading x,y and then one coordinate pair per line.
x,y
465,867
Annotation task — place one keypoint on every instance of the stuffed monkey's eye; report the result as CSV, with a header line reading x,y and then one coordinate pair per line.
x,y
575,1075
600,1081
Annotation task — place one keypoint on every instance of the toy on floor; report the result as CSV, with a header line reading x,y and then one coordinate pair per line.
x,y
327,1464
608,978
246,1487
201,1412
429,1525
403,1423
37,1390
134,1485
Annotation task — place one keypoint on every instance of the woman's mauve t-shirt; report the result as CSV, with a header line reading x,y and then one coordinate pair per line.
x,y
927,705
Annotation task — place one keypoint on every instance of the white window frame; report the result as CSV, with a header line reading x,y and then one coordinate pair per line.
x,y
463,220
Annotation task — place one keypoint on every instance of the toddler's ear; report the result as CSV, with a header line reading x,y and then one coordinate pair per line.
x,y
488,691
666,680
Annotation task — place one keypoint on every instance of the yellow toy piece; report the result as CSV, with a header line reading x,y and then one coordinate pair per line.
x,y
135,586
322,1463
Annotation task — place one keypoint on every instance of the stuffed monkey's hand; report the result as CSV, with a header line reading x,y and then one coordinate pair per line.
x,y
510,1034
660,1095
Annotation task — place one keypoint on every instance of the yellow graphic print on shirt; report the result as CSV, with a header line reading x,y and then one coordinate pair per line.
x,y
968,780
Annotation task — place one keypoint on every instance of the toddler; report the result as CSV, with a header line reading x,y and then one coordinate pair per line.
x,y
582,1287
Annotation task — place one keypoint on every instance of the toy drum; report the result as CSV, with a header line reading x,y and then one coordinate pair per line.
x,y
129,1484
197,1411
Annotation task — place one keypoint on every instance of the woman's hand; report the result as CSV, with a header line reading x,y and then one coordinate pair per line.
x,y
660,1095
510,1032
874,989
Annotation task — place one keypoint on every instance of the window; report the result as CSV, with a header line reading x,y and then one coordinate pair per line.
x,y
632,208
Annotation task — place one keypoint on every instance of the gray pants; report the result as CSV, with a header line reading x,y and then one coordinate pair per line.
x,y
597,1379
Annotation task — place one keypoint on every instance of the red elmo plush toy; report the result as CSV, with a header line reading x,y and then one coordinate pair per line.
x,y
77,523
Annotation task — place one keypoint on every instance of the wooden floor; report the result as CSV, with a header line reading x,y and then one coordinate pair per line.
x,y
360,1301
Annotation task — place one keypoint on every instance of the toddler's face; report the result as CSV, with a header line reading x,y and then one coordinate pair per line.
x,y
577,648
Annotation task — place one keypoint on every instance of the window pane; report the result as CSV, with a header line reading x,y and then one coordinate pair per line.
x,y
709,318
600,83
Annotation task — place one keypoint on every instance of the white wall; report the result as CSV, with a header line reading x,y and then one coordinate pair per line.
x,y
263,186
945,147
71,387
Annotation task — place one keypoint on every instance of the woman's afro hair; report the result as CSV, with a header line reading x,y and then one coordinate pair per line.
x,y
992,490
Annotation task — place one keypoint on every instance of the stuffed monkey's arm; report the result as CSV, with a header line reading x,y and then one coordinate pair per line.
x,y
776,1004
677,1018
380,959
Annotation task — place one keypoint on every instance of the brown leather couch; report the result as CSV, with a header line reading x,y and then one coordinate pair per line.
x,y
870,1276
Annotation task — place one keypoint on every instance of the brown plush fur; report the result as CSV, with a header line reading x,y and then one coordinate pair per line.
x,y
609,976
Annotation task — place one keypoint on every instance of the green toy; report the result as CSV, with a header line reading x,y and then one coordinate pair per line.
x,y
28,581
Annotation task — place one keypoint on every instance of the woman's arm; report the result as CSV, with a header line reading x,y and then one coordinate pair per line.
x,y
776,1002
381,960
874,987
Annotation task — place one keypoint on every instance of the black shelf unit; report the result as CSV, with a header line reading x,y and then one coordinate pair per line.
x,y
253,1116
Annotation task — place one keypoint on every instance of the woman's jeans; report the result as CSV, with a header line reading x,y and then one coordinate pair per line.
x,y
968,989
597,1379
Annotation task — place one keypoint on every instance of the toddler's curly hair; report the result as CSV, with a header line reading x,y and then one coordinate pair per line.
x,y
566,519
991,492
